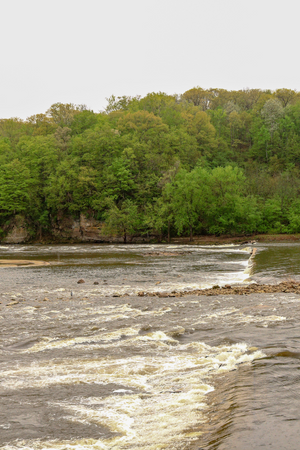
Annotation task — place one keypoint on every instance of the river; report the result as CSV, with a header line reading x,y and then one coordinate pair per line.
x,y
93,365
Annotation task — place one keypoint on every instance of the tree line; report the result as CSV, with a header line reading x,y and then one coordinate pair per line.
x,y
206,162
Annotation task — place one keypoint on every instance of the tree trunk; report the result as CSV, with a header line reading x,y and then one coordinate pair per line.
x,y
169,232
191,233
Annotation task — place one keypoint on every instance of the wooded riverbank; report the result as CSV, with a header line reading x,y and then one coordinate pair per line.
x,y
207,162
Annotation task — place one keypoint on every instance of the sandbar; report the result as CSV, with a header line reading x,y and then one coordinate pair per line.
x,y
21,262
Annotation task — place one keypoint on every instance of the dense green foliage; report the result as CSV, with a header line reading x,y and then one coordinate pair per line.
x,y
207,162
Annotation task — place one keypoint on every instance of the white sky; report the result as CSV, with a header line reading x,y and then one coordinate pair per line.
x,y
83,51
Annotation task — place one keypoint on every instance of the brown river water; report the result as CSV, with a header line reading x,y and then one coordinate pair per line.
x,y
95,366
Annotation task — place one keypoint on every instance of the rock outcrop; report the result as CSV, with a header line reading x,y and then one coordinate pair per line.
x,y
86,229
17,233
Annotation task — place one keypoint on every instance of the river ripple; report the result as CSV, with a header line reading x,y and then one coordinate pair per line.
x,y
89,370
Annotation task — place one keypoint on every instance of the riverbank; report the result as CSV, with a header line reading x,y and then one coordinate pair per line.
x,y
223,240
90,231
183,240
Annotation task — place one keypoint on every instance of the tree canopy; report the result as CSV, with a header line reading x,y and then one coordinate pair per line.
x,y
209,161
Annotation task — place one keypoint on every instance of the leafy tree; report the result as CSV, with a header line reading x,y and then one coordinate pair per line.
x,y
229,208
286,96
71,188
293,217
118,103
141,122
41,124
13,129
62,136
63,113
199,97
199,126
83,121
271,113
7,154
159,217
156,103
187,194
123,220
119,181
15,182
271,216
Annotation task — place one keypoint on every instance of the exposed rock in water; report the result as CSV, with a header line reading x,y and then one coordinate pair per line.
x,y
292,287
80,281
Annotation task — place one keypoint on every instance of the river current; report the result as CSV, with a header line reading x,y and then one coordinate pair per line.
x,y
93,365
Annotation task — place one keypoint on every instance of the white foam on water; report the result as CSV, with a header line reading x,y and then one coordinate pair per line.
x,y
262,319
164,396
48,344
218,314
172,383
237,317
179,286
222,246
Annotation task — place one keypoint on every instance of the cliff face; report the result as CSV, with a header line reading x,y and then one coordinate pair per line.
x,y
64,229
81,230
17,232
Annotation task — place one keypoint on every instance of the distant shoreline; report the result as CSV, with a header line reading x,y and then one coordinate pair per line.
x,y
198,240
249,240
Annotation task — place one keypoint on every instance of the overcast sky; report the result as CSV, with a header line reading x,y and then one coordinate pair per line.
x,y
81,52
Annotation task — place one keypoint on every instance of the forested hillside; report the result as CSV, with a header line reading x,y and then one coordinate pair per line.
x,y
204,162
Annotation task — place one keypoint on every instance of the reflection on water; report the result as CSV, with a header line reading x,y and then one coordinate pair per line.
x,y
274,261
81,369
